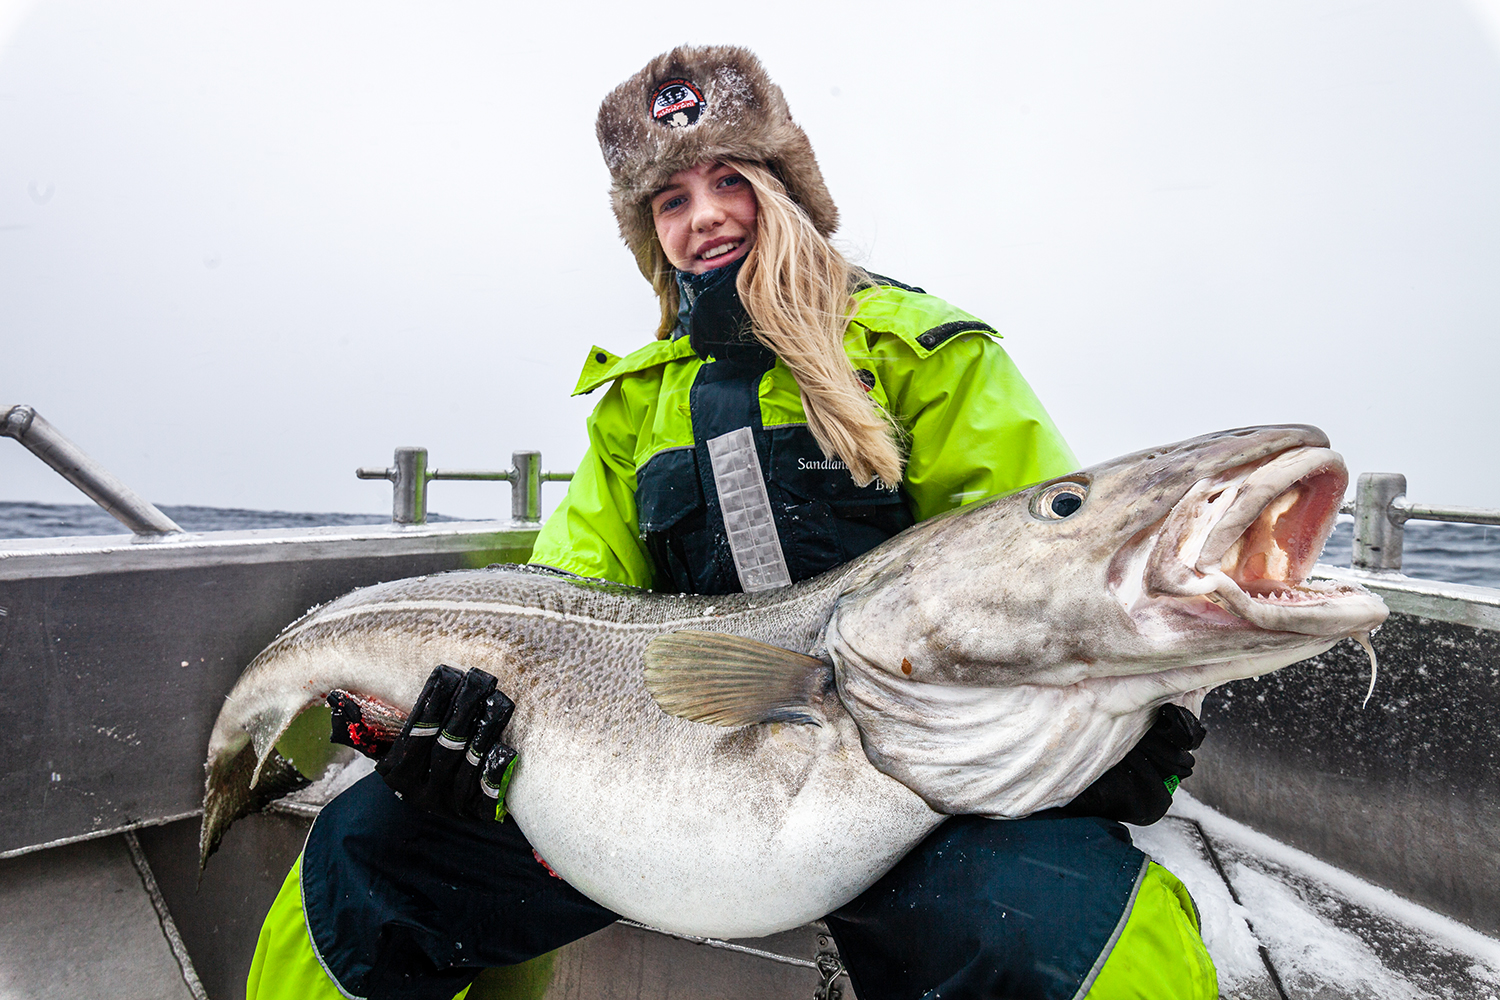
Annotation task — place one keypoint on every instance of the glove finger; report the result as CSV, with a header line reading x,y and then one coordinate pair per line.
x,y
488,800
1179,727
1199,730
1168,744
405,766
494,717
1167,759
447,789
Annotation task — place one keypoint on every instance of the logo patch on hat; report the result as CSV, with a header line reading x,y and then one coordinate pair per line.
x,y
677,103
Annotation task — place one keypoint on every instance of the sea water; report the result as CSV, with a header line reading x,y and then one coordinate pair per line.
x,y
1433,550
53,520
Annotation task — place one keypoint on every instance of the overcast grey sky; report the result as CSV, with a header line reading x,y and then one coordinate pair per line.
x,y
245,248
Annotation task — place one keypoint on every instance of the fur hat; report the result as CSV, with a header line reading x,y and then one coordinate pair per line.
x,y
698,104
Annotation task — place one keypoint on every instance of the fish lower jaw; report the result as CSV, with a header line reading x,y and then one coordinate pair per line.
x,y
1319,608
1305,607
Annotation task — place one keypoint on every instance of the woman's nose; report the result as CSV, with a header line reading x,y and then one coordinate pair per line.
x,y
707,214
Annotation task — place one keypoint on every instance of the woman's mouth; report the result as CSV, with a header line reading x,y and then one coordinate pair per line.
x,y
719,251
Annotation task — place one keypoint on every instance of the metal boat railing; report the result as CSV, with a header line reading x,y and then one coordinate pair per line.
x,y
48,443
1381,510
409,476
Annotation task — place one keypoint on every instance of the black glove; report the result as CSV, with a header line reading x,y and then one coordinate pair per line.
x,y
1139,788
449,757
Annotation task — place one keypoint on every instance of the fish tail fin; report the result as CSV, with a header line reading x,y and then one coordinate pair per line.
x,y
229,794
728,680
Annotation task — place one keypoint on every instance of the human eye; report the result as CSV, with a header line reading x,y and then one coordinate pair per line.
x,y
731,180
669,203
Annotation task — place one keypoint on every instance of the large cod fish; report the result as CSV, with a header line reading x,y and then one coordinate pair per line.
x,y
738,765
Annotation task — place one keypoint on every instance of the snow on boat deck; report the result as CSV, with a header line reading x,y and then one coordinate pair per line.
x,y
1281,923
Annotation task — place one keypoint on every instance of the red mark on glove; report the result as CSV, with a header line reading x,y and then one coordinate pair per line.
x,y
365,739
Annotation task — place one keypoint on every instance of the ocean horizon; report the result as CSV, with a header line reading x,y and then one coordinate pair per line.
x,y
1447,553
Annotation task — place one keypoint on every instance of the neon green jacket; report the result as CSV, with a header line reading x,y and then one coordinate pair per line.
x,y
973,426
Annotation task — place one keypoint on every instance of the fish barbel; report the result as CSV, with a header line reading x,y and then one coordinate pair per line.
x,y
737,765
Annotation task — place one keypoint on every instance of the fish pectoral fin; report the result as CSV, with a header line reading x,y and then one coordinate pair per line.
x,y
728,680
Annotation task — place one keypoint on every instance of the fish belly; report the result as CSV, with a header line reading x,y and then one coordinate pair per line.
x,y
718,833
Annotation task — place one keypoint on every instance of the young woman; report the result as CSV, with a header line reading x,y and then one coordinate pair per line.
x,y
793,412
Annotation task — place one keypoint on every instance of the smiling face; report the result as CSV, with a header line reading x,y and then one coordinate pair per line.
x,y
705,217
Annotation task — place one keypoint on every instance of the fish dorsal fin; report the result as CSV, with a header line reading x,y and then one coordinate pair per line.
x,y
728,680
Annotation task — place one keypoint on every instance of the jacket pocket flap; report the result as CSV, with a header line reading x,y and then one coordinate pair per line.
x,y
667,489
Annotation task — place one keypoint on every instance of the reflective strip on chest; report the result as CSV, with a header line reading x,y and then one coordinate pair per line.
x,y
748,523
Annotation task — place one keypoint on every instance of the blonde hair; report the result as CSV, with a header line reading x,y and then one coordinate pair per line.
x,y
796,287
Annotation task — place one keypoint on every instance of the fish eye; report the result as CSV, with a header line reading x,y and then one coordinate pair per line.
x,y
1059,500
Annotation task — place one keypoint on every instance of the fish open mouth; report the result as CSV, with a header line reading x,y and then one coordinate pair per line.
x,y
1246,539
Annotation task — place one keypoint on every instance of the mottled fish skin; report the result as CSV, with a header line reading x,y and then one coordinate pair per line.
x,y
987,661
731,832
